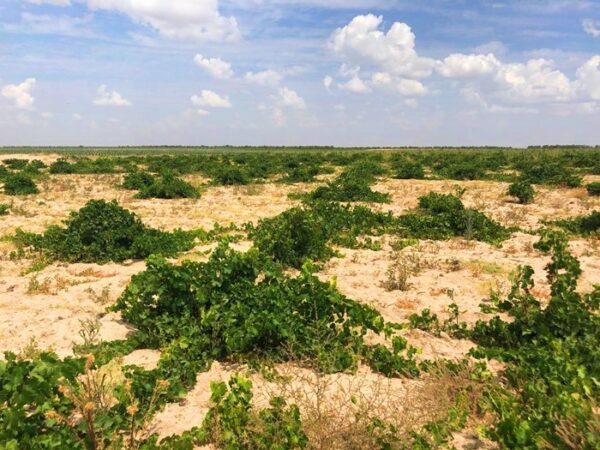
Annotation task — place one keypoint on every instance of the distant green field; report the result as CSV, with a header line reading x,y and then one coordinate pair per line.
x,y
140,150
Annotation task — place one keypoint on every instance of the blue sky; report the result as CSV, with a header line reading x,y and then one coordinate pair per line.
x,y
299,72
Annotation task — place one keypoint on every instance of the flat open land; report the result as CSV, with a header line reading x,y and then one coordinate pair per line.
x,y
49,303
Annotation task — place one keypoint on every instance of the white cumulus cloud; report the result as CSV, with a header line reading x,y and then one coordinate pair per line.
x,y
362,42
104,97
327,81
588,78
289,98
458,65
591,27
197,20
50,2
210,99
356,85
410,88
216,67
264,78
20,94
403,86
534,81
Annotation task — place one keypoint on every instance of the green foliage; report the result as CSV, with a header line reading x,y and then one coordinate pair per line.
x,y
582,225
353,185
441,216
229,175
593,188
301,174
463,171
168,186
429,322
3,172
29,390
292,237
549,172
304,233
522,190
136,181
62,166
15,164
409,170
349,187
238,306
19,184
86,166
103,231
232,423
552,355
4,209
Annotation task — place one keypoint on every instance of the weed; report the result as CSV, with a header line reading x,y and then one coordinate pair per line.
x,y
36,286
102,298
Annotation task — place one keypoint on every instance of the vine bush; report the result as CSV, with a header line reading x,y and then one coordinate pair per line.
x,y
103,231
19,184
441,216
522,190
581,225
593,188
552,353
168,186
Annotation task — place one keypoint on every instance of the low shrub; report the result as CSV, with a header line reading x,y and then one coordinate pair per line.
x,y
301,174
62,166
522,190
19,184
593,188
104,231
229,175
81,165
441,216
34,167
305,232
168,186
239,306
551,351
4,209
15,164
409,170
582,225
348,188
291,237
365,169
547,172
463,171
136,181
232,422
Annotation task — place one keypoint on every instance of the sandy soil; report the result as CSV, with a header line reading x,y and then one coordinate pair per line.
x,y
48,307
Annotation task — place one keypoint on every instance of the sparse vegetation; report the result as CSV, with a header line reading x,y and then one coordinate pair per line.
x,y
593,188
103,231
441,216
19,184
137,181
582,225
325,368
522,190
168,186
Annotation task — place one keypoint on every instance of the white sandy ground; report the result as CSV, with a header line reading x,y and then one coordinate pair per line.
x,y
47,307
